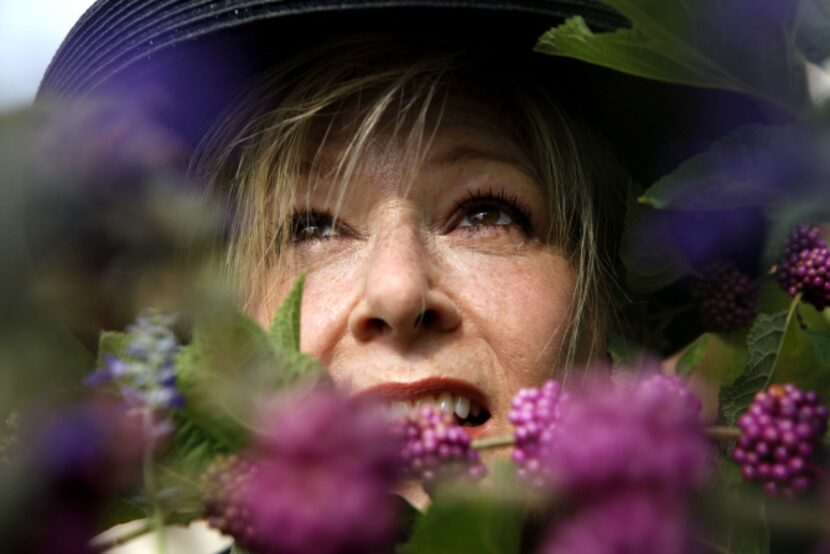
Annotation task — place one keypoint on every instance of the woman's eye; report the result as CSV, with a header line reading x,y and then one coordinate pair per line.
x,y
313,226
493,212
485,214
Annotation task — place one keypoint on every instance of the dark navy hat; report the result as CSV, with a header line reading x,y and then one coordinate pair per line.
x,y
184,60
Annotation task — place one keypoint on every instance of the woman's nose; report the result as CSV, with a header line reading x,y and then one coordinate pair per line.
x,y
398,298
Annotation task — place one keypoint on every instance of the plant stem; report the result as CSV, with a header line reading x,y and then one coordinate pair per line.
x,y
717,432
155,516
722,433
494,442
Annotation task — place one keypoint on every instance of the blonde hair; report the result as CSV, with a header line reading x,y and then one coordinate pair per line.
x,y
258,152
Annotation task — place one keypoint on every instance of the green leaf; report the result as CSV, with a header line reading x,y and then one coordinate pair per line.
x,y
693,355
467,523
734,514
821,346
232,366
652,257
111,343
623,351
285,327
764,344
741,170
237,550
705,43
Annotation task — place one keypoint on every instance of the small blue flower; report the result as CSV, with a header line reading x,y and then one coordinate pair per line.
x,y
146,373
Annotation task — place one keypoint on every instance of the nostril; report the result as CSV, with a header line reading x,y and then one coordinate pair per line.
x,y
375,325
426,319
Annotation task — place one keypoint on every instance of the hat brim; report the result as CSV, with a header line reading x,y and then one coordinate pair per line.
x,y
185,61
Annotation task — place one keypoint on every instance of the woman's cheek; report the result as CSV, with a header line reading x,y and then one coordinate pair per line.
x,y
329,295
521,307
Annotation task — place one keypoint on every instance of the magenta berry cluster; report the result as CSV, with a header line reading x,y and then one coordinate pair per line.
x,y
315,478
435,449
223,484
780,436
726,297
805,267
534,412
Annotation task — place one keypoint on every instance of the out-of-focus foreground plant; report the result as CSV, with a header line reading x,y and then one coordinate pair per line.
x,y
194,411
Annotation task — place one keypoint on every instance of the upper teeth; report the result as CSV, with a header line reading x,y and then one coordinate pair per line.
x,y
446,402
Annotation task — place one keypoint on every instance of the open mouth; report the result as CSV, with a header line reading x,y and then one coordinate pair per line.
x,y
463,400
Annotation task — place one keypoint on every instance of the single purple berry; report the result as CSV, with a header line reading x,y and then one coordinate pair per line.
x,y
726,297
805,267
533,413
780,433
435,449
317,479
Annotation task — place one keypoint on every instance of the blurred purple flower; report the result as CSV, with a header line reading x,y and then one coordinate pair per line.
x,y
317,480
633,521
625,459
75,461
643,434
93,448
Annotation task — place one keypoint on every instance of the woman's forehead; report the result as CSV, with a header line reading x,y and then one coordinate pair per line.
x,y
461,140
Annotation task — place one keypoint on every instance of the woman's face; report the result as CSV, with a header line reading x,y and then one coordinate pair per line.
x,y
440,289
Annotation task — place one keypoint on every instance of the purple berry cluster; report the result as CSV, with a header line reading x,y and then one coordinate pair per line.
x,y
625,459
534,412
726,297
780,436
223,484
435,449
644,434
805,267
317,479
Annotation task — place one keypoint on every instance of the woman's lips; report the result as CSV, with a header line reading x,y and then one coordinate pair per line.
x,y
465,400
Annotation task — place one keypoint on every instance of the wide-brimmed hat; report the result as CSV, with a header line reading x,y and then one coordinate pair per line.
x,y
185,60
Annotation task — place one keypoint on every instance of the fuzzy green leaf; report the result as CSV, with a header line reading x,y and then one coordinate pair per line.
x,y
703,43
821,346
624,351
734,513
466,519
285,327
230,366
111,343
651,255
466,525
237,550
285,335
693,355
764,344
